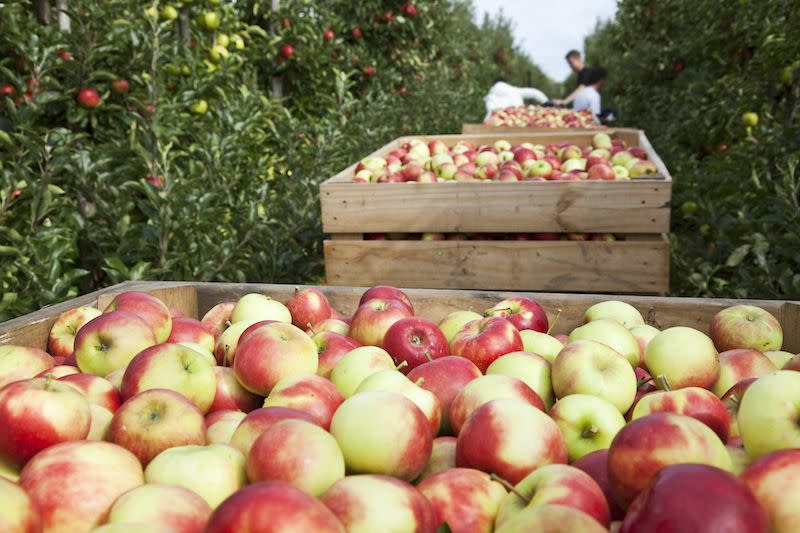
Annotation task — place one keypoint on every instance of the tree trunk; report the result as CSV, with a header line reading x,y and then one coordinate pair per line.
x,y
42,11
63,17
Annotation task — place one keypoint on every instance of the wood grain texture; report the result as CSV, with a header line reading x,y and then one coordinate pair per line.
x,y
473,129
636,266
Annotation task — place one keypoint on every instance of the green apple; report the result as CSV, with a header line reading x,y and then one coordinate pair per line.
x,y
176,508
395,381
643,334
622,312
769,412
611,333
452,323
779,358
357,366
228,342
260,307
588,423
541,344
684,356
532,369
210,20
551,517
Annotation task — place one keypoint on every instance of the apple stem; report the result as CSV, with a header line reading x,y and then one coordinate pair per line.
x,y
510,488
663,382
428,355
643,381
48,379
492,311
310,328
591,431
419,382
402,364
555,321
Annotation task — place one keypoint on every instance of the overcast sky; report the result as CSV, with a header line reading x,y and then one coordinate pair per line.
x,y
548,29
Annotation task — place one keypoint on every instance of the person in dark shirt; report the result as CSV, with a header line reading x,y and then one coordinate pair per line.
x,y
584,73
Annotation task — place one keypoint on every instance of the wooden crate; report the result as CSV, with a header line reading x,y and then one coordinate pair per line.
x,y
640,205
194,299
504,130
639,264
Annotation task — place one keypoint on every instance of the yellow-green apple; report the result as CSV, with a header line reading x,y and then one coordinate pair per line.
x,y
298,453
258,421
622,312
551,518
745,326
738,364
383,433
149,308
588,423
602,140
228,341
445,377
191,330
596,465
612,333
335,325
485,389
272,353
622,158
110,341
483,341
523,313
774,479
768,413
218,318
620,172
779,358
696,497
700,404
97,390
73,484
443,457
793,364
220,425
115,378
509,438
379,503
373,318
532,369
386,292
101,423
394,381
173,367
19,362
331,347
17,512
255,307
154,420
176,508
463,498
61,342
214,472
541,344
230,394
309,393
452,323
643,334
556,484
732,400
38,413
414,341
684,356
58,372
272,507
357,365
590,367
308,307
648,444
642,168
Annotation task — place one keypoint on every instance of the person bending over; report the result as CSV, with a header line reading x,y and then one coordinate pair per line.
x,y
503,95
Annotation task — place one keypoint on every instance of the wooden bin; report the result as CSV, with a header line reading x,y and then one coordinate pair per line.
x,y
505,130
194,299
639,208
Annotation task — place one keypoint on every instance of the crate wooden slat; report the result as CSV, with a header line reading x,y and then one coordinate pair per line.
x,y
32,329
469,129
631,266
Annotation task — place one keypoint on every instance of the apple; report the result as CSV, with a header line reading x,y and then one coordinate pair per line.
x,y
18,363
573,164
17,512
779,358
218,318
88,98
169,506
374,317
483,341
738,364
154,420
58,372
331,347
642,168
643,334
768,413
522,313
622,312
373,164
61,341
602,140
588,423
696,497
541,169
684,356
638,152
622,158
452,323
95,389
695,402
115,378
148,308
463,498
773,479
230,394
648,444
551,518
191,330
73,484
486,388
620,172
595,464
590,367
379,503
540,344
258,421
509,438
308,307
228,341
571,152
531,369
612,333
414,341
38,413
386,292
173,367
486,159
109,342
443,457
101,423
793,364
357,365
214,472
207,354
745,326
394,381
220,425
254,307
732,401
308,393
334,325
601,171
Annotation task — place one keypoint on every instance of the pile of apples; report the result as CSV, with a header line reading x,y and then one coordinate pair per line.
x,y
272,417
433,161
536,116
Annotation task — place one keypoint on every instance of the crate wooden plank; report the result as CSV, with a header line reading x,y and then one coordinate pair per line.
x,y
471,129
635,266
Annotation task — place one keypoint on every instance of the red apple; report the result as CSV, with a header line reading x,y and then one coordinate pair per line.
x,y
443,457
386,292
596,465
109,342
695,402
483,341
601,171
230,394
745,326
485,389
258,421
220,425
331,347
415,341
463,498
228,342
95,389
335,325
61,342
191,330
58,372
18,363
308,393
218,318
374,317
774,479
739,364
523,313
148,308
88,98
308,307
